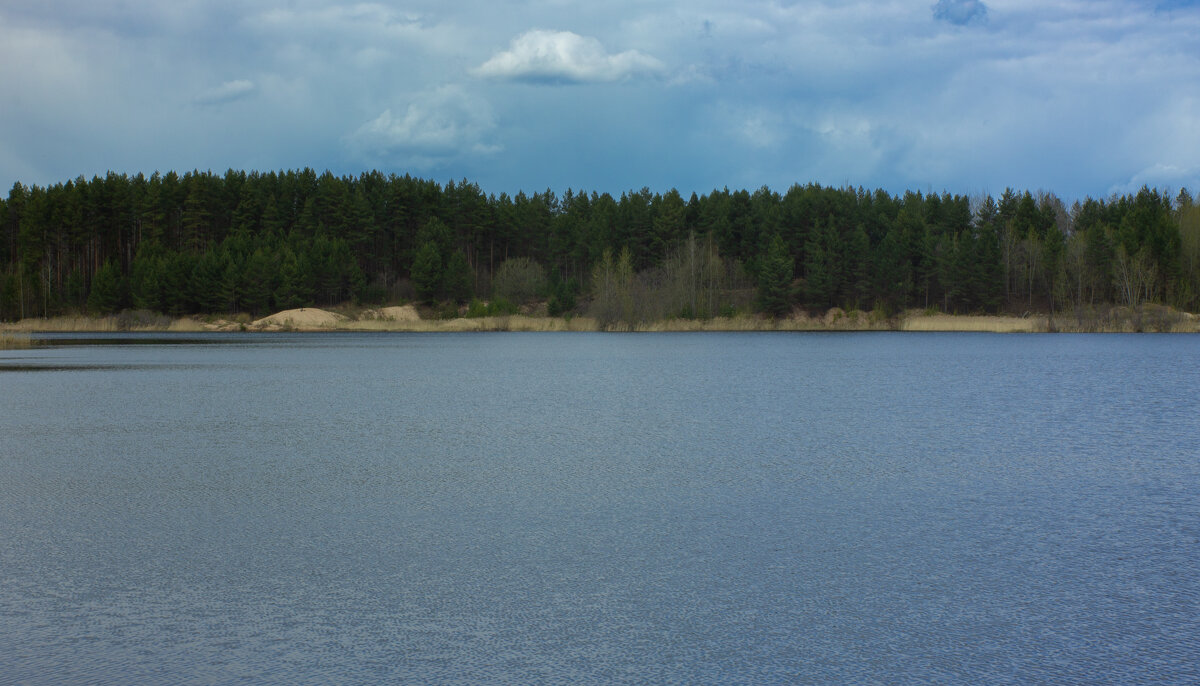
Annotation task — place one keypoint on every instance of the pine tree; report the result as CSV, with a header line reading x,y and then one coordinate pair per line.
x,y
856,287
427,271
893,272
822,265
456,280
109,290
206,283
775,279
258,282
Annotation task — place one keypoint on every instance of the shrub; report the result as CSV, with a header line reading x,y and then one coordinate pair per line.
x,y
519,280
497,308
476,308
562,298
142,319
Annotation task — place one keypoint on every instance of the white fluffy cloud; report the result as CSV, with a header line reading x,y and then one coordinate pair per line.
x,y
565,57
1075,96
434,127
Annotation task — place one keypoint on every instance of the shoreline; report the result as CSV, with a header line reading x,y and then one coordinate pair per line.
x,y
407,319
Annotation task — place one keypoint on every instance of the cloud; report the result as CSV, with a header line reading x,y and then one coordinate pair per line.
x,y
758,128
1166,177
564,57
437,126
226,92
1076,97
960,12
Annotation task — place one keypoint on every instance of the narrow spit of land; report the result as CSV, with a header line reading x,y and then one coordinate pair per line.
x,y
408,318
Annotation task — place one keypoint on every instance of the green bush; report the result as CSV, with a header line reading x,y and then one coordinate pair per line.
x,y
497,308
501,307
476,308
519,280
447,310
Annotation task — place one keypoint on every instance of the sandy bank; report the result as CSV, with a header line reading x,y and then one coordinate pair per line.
x,y
301,319
407,318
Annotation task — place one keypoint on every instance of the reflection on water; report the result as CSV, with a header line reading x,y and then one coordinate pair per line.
x,y
688,508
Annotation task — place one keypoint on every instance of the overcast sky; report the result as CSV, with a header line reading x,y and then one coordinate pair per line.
x,y
1082,98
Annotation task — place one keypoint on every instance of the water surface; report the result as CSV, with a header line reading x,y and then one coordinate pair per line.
x,y
565,508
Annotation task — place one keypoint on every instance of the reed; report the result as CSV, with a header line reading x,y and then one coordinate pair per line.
x,y
515,322
982,323
13,341
66,323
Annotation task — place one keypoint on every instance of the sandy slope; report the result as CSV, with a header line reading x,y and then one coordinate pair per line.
x,y
398,313
302,318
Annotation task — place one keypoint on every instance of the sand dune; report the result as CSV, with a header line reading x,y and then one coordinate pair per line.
x,y
302,318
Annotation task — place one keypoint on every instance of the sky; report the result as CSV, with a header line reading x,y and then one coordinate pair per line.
x,y
1080,98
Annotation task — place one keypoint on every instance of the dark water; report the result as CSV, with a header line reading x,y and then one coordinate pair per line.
x,y
578,508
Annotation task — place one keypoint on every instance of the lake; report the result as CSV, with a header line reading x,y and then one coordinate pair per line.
x,y
597,508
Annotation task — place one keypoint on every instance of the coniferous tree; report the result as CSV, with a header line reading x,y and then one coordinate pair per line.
x,y
258,282
456,280
775,279
146,279
178,296
206,283
295,282
108,294
1053,249
427,271
172,234
822,265
230,284
893,275
856,288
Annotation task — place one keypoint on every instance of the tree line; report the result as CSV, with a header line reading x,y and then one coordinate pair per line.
x,y
255,242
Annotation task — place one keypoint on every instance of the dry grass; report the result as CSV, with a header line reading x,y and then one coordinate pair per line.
x,y
186,325
837,319
833,320
65,324
714,324
1147,318
993,324
405,318
72,324
13,341
745,323
514,322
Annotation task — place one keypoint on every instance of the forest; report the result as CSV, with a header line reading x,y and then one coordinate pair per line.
x,y
257,242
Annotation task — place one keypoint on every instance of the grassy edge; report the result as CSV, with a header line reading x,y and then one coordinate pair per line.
x,y
15,341
1115,320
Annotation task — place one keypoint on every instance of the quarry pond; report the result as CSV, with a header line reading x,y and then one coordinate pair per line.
x,y
600,508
